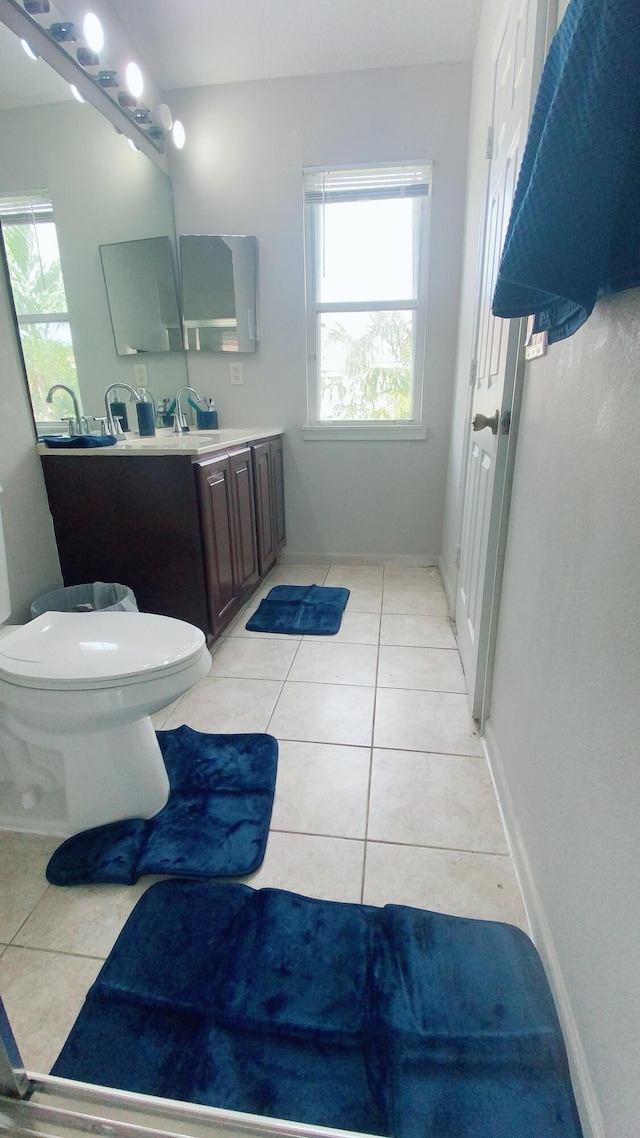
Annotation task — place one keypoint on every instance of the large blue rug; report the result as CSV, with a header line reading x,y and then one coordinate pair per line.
x,y
300,610
215,823
390,1021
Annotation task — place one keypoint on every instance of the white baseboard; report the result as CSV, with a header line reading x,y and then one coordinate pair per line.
x,y
449,586
411,561
589,1110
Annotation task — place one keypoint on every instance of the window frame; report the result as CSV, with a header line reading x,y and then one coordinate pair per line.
x,y
365,429
31,209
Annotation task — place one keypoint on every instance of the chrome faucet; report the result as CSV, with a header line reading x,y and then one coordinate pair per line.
x,y
113,424
180,424
78,424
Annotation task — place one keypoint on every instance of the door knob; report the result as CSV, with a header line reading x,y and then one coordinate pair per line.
x,y
479,422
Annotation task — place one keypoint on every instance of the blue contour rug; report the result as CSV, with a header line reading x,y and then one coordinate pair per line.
x,y
308,610
389,1020
215,823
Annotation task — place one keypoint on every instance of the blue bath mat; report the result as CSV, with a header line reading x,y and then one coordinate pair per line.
x,y
300,610
388,1021
215,823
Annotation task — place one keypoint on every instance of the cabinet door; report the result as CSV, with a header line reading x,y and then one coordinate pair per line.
x,y
246,553
218,529
264,496
277,486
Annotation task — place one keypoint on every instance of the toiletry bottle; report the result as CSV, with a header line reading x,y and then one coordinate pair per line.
x,y
146,414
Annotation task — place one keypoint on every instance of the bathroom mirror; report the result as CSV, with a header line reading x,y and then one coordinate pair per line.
x,y
142,295
219,274
102,192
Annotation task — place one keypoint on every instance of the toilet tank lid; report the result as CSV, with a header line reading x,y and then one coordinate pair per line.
x,y
98,645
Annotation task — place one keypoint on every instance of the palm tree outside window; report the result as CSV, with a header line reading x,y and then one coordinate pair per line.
x,y
39,299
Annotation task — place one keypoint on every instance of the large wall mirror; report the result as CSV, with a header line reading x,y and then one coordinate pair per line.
x,y
79,185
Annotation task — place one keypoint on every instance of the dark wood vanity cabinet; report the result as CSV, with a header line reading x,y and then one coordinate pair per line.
x,y
229,532
183,532
269,492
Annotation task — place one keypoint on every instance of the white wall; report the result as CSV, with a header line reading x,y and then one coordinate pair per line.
x,y
564,725
32,556
565,712
241,172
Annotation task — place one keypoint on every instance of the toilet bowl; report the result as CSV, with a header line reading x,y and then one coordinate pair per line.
x,y
84,685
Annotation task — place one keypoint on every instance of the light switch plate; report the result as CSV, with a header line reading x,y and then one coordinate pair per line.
x,y
536,343
237,376
140,374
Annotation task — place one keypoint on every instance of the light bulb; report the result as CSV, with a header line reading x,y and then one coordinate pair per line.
x,y
165,116
178,134
134,79
75,92
28,50
92,32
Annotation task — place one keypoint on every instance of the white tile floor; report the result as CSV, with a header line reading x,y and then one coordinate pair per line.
x,y
383,793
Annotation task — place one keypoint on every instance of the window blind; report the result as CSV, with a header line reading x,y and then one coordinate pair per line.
x,y
22,209
355,185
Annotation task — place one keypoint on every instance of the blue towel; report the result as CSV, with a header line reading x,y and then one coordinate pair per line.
x,y
300,610
574,231
64,441
215,824
392,1021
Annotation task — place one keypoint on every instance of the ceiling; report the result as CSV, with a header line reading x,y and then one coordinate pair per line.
x,y
192,43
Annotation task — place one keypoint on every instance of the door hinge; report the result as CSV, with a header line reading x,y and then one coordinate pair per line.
x,y
490,143
473,371
458,555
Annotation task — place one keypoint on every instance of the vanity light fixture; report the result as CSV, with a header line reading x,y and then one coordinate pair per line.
x,y
28,50
93,32
165,116
63,31
132,144
62,35
108,78
134,80
178,134
87,58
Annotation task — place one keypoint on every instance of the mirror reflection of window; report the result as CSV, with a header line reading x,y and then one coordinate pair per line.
x,y
37,287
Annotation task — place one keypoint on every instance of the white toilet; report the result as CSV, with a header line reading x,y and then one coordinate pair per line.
x,y
83,685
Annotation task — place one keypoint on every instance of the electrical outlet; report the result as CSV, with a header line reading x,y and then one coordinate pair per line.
x,y
140,375
237,377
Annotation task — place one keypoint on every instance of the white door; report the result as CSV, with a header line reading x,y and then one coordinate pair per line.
x,y
515,62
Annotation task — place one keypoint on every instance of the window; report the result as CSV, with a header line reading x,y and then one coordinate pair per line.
x,y
366,240
35,275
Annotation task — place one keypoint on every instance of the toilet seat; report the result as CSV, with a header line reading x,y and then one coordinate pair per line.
x,y
96,650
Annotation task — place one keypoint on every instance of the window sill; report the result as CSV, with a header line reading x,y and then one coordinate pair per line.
x,y
365,432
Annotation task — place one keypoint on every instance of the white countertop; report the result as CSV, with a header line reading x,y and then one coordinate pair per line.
x,y
165,442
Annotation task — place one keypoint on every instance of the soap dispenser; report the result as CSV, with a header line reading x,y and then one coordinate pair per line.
x,y
146,413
